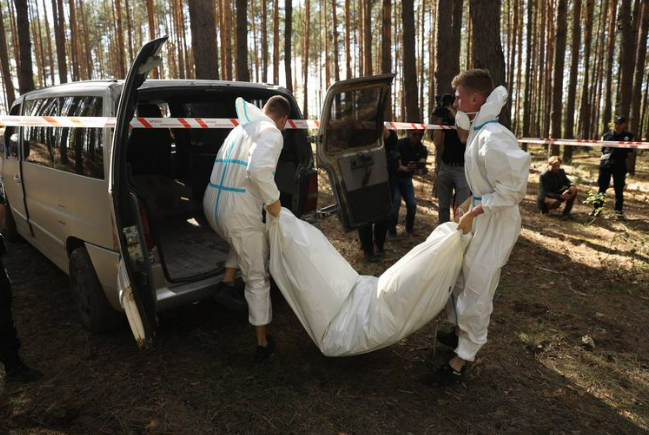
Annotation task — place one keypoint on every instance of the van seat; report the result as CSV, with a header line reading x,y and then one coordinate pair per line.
x,y
166,197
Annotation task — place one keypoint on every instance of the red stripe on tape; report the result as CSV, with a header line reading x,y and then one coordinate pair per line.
x,y
144,122
317,123
234,122
291,123
184,123
51,121
201,122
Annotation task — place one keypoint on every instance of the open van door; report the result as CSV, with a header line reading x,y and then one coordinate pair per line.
x,y
138,292
350,147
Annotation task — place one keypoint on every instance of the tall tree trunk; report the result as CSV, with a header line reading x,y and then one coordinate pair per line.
x,y
10,92
25,73
255,51
305,56
445,58
243,74
86,41
129,31
149,12
264,41
38,45
519,69
548,73
538,100
559,61
596,94
74,42
48,35
367,37
288,30
203,28
326,44
512,48
421,60
627,54
386,48
432,65
485,15
335,40
276,42
59,39
120,39
608,86
641,42
527,106
569,131
226,29
348,52
409,63
584,111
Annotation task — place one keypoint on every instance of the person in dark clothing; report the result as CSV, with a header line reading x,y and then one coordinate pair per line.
x,y
15,368
412,160
613,164
555,188
452,188
374,234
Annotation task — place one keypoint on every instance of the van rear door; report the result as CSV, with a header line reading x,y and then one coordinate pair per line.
x,y
140,301
350,148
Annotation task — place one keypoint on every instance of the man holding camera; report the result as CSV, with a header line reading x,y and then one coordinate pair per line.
x,y
412,160
452,188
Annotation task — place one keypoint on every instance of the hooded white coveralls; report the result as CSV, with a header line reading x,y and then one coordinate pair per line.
x,y
496,170
242,182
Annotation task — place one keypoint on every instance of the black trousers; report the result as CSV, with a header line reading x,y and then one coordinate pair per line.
x,y
371,233
9,343
618,172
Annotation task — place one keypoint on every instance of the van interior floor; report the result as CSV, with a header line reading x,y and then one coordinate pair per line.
x,y
190,246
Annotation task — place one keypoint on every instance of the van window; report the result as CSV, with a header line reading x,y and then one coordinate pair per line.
x,y
353,119
11,136
76,150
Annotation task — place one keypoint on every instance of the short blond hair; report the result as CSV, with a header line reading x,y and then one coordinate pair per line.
x,y
476,80
553,159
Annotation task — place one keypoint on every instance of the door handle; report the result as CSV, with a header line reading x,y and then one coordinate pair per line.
x,y
17,179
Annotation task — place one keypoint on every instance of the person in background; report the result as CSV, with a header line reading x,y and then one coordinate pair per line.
x,y
555,188
373,235
613,164
15,368
412,160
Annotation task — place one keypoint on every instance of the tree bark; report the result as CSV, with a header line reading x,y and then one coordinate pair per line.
x,y
59,39
348,53
10,92
305,56
149,12
288,30
409,63
25,72
386,48
335,40
367,37
485,16
203,28
635,119
86,42
627,54
559,62
276,42
226,30
242,72
569,131
445,57
584,111
120,40
264,41
129,31
527,106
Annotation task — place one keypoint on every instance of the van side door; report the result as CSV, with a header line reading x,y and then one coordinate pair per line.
x,y
350,148
12,175
140,302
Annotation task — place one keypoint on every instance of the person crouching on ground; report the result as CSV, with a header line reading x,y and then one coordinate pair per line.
x,y
555,188
496,171
241,185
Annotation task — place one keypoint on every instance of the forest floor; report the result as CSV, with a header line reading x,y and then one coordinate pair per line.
x,y
567,351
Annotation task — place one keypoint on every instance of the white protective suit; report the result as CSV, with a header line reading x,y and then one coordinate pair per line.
x,y
496,170
242,182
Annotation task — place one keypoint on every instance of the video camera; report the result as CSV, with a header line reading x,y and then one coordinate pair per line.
x,y
444,101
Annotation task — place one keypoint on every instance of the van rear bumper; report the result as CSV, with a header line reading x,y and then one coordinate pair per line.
x,y
183,294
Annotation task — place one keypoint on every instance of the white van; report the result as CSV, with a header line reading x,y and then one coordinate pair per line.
x,y
88,197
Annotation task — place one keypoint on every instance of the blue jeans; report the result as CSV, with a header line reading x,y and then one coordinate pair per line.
x,y
403,187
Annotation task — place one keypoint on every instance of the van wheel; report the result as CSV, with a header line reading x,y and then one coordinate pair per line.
x,y
97,315
9,230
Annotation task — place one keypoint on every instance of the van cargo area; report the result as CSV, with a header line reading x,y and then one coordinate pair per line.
x,y
169,170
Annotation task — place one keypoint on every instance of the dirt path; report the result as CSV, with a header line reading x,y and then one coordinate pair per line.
x,y
566,283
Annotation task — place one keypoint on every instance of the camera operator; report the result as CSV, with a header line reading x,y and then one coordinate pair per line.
x,y
452,187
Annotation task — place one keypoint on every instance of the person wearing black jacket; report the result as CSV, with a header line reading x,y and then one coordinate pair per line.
x,y
555,188
613,164
373,235
15,368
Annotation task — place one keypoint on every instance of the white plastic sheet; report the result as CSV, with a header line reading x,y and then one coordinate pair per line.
x,y
348,314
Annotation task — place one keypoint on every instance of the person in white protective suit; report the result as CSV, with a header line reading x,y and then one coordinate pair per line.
x,y
241,185
496,170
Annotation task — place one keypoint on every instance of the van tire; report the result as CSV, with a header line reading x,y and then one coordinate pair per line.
x,y
9,230
96,313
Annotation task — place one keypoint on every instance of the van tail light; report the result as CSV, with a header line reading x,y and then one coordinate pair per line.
x,y
147,229
312,193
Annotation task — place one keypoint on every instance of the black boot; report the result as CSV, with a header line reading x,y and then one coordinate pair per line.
x,y
448,338
228,295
